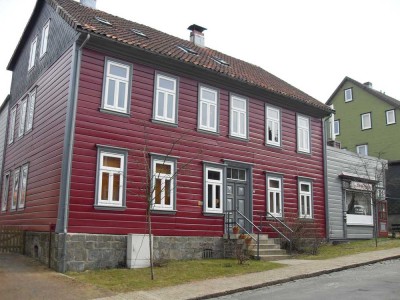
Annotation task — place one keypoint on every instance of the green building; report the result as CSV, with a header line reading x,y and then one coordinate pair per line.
x,y
366,120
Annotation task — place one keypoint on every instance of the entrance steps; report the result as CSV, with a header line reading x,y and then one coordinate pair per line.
x,y
270,249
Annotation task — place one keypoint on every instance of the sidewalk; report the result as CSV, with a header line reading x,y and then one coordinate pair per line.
x,y
296,269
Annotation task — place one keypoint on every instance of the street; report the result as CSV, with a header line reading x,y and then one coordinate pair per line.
x,y
377,281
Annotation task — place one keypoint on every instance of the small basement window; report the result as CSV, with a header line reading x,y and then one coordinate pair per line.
x,y
138,32
103,21
188,50
220,61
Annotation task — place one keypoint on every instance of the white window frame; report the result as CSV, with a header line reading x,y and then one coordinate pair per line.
x,y
118,80
359,149
303,135
109,202
348,95
364,123
23,182
11,130
32,54
275,192
336,127
15,189
275,124
166,92
214,184
163,177
210,106
390,117
30,110
4,195
22,117
44,39
308,200
239,114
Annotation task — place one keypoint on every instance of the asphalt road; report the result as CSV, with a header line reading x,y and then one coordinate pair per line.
x,y
377,281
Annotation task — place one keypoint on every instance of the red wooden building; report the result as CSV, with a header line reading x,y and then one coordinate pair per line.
x,y
98,103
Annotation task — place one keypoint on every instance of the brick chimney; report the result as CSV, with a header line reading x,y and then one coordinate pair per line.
x,y
89,3
197,35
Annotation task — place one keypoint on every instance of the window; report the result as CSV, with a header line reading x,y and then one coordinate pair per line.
x,y
213,189
359,207
15,187
111,177
303,134
32,54
336,127
273,126
163,183
188,50
22,189
238,117
220,61
348,95
4,196
390,117
138,32
274,195
44,39
165,99
103,21
117,78
208,109
366,121
30,110
13,115
236,174
305,199
22,117
362,149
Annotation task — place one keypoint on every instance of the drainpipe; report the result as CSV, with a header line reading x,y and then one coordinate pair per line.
x,y
63,211
327,226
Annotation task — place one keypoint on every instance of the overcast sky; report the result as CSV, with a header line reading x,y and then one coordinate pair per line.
x,y
311,44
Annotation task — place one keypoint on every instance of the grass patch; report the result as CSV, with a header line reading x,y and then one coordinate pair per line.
x,y
353,247
175,272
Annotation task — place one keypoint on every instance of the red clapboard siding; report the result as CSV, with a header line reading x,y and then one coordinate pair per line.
x,y
94,127
42,148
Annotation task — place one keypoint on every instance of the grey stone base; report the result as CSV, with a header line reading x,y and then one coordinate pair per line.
x,y
42,246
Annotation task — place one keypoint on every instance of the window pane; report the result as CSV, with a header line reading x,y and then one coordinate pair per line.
x,y
242,174
305,187
170,106
209,196
242,126
235,174
303,122
167,192
116,184
204,114
166,84
163,169
121,95
24,176
118,71
308,205
160,104
239,104
302,205
218,196
271,202
104,185
214,175
278,203
229,173
273,114
274,183
276,131
158,191
208,95
111,92
213,109
110,161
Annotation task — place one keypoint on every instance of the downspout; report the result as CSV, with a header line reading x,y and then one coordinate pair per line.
x,y
327,226
63,210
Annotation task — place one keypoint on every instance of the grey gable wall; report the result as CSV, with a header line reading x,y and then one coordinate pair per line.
x,y
61,37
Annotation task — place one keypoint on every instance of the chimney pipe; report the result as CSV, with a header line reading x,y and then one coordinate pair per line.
x,y
368,84
197,35
89,3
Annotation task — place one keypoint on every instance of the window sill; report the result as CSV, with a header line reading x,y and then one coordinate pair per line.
x,y
391,124
105,207
163,211
113,112
363,129
172,124
216,133
306,219
279,147
246,139
303,152
213,214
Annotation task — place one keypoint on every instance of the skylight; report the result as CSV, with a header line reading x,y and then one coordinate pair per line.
x,y
138,32
220,61
187,50
103,21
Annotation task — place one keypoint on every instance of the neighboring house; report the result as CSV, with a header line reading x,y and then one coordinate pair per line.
x,y
351,179
97,102
393,192
367,122
3,126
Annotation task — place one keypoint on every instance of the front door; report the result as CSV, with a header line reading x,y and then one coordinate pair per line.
x,y
237,196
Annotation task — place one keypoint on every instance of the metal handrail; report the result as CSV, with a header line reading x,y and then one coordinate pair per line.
x,y
278,231
276,219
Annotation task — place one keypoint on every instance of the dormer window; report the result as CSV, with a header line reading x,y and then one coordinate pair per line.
x,y
188,50
103,21
138,32
220,61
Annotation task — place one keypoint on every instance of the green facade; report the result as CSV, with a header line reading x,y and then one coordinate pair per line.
x,y
383,140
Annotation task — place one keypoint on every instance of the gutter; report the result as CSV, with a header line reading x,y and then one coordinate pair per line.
x,y
63,209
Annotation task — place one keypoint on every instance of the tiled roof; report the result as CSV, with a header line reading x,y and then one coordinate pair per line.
x,y
83,18
379,95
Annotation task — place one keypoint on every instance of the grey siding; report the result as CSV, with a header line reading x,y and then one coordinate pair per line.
x,y
3,134
338,161
61,37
